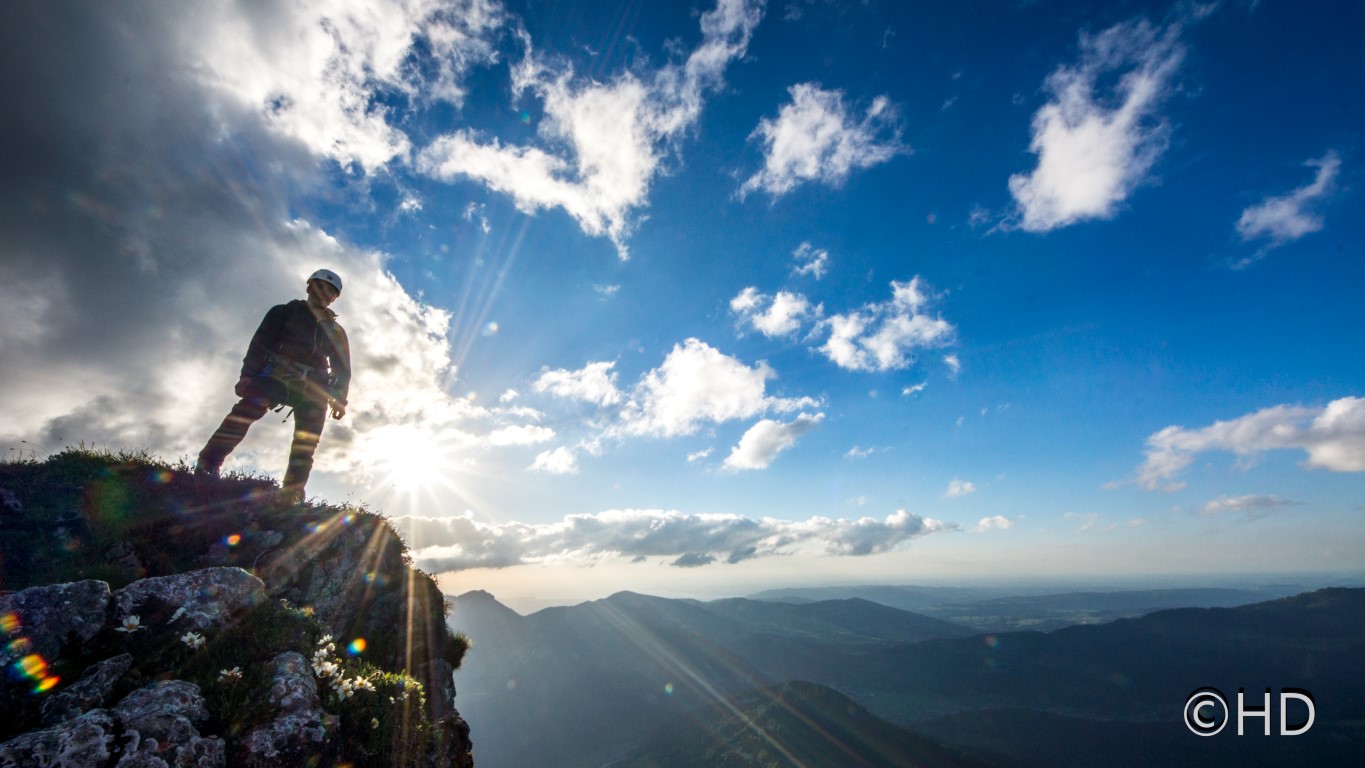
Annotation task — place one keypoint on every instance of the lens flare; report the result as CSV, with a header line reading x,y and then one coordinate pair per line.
x,y
46,684
232,539
356,647
491,329
9,622
668,689
161,476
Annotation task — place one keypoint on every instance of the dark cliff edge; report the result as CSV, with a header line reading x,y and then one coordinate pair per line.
x,y
149,617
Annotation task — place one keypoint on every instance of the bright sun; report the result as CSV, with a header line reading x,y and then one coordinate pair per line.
x,y
409,457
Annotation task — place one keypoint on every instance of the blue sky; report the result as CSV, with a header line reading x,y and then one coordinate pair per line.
x,y
693,299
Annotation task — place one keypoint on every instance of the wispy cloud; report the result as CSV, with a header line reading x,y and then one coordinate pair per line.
x,y
602,142
446,544
1333,436
763,441
1250,506
816,139
1286,218
884,336
1094,145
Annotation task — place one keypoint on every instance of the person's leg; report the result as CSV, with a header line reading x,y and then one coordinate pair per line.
x,y
246,412
308,422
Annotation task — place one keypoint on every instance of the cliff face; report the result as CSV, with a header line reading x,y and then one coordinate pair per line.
x,y
151,618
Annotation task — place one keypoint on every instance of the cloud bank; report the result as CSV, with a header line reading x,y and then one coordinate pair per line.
x,y
1333,437
449,544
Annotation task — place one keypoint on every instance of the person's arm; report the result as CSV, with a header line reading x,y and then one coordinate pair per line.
x,y
340,360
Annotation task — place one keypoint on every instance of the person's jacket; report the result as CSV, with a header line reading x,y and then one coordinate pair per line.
x,y
294,333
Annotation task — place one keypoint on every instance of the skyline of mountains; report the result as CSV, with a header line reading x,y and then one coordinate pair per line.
x,y
591,684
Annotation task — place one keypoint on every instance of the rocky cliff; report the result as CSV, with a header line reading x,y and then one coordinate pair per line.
x,y
151,618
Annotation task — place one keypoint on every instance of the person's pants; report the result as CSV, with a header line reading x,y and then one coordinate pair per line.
x,y
308,421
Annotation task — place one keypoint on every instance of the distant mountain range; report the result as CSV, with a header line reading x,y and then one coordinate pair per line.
x,y
996,609
592,685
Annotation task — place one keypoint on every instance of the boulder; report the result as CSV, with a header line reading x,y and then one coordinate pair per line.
x,y
301,729
47,617
87,741
208,597
90,692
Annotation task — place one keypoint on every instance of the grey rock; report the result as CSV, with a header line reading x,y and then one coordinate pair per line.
x,y
164,710
209,597
85,742
301,729
90,692
50,615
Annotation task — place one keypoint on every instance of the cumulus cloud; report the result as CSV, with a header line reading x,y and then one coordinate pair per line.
x,y
594,383
602,143
697,384
457,543
779,315
1094,145
1289,217
810,261
145,177
1333,437
815,138
763,441
959,488
884,336
1250,506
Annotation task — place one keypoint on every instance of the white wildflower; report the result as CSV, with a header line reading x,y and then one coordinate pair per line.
x,y
131,624
230,675
178,613
192,639
374,723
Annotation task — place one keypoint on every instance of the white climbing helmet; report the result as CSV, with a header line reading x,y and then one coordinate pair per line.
x,y
327,276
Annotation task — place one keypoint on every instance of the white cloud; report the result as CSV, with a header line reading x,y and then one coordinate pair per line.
x,y
594,383
810,261
954,365
958,488
509,396
914,389
1288,217
603,143
558,461
1333,437
859,452
1094,146
446,544
763,441
779,315
697,384
606,291
1251,506
699,455
995,523
814,138
884,336
315,70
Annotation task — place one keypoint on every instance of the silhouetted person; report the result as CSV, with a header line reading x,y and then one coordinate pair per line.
x,y
298,357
